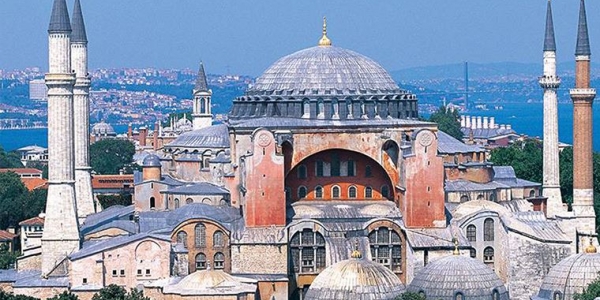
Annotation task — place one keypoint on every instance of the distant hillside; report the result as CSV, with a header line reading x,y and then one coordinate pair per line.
x,y
489,71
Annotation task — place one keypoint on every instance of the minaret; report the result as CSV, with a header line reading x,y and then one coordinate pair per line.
x,y
201,114
81,114
583,97
61,231
550,82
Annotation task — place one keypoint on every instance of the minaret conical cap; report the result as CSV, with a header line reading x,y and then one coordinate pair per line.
x,y
201,85
549,41
59,20
583,40
78,35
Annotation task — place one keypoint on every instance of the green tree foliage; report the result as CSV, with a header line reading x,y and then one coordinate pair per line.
x,y
448,121
410,296
9,159
565,159
590,293
524,156
115,292
40,166
65,296
7,258
108,156
10,296
107,201
16,202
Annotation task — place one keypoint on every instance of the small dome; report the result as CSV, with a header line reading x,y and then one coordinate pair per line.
x,y
151,161
205,279
355,278
571,275
211,282
103,128
446,277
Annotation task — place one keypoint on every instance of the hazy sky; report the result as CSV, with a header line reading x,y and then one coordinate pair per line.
x,y
247,36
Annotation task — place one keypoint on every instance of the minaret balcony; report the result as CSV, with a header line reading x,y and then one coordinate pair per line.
x,y
551,81
583,92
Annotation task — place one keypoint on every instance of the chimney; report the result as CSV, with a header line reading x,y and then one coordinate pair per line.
x,y
155,136
143,135
503,127
479,122
492,122
485,123
129,131
468,121
508,127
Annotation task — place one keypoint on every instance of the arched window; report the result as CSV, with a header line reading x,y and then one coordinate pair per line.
x,y
472,233
493,197
319,168
205,201
306,109
464,198
480,197
386,248
352,192
495,295
368,192
320,109
368,171
557,295
488,255
200,235
182,238
459,296
200,261
335,191
473,253
302,192
385,191
176,203
307,251
531,193
152,202
488,230
319,192
189,201
219,261
301,172
218,239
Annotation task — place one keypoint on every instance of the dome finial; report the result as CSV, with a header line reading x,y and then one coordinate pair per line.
x,y
356,253
591,248
455,241
324,41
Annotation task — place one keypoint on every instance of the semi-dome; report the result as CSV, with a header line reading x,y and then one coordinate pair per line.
x,y
570,276
212,282
151,161
325,82
322,70
454,275
357,279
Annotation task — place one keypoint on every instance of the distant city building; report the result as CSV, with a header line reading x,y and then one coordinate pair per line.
x,y
38,90
33,154
484,131
31,178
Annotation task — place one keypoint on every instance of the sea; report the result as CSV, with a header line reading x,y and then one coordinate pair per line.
x,y
525,118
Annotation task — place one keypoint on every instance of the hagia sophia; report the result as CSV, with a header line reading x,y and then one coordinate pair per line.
x,y
323,183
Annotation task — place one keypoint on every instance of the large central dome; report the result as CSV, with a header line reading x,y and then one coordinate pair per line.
x,y
324,70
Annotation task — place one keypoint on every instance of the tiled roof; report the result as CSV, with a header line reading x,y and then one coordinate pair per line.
x,y
22,171
33,221
199,188
35,183
216,136
111,181
6,236
449,145
103,245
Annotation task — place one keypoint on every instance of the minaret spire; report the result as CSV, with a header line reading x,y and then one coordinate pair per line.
x,y
61,230
81,115
201,113
583,98
550,83
583,40
549,41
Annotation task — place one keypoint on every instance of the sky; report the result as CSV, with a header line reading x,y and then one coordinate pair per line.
x,y
245,37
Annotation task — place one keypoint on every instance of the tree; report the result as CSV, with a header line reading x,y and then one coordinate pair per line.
x,y
115,292
589,293
448,121
410,296
107,201
65,296
524,156
7,258
10,159
16,202
9,296
108,156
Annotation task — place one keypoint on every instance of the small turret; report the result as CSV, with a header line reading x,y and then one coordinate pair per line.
x,y
201,114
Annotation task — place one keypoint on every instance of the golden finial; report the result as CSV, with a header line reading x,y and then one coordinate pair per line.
x,y
356,253
591,248
455,252
324,41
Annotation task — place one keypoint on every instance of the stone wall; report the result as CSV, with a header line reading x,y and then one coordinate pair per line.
x,y
208,248
259,259
529,261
